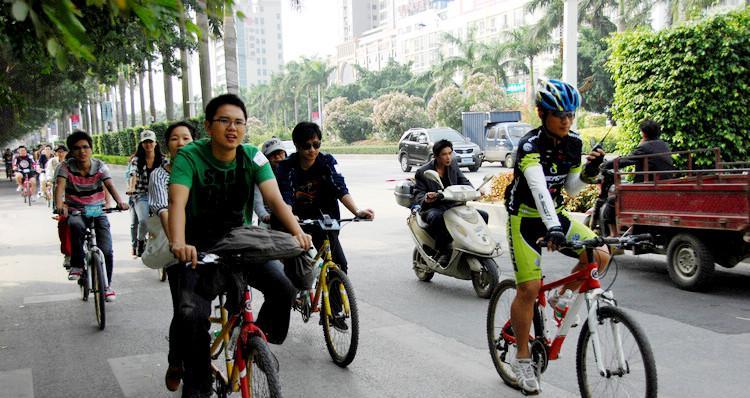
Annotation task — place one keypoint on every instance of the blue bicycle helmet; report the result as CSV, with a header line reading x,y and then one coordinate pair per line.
x,y
556,95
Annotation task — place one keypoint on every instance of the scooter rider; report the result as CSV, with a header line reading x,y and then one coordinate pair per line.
x,y
432,208
548,160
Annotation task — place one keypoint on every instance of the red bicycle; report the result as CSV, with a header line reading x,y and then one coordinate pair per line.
x,y
27,192
251,368
613,357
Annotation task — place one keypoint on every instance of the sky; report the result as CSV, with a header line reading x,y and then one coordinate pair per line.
x,y
313,30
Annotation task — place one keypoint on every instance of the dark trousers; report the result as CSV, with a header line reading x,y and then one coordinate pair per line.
x,y
188,333
77,226
337,252
438,230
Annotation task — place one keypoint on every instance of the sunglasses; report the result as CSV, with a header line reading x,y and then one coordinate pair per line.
x,y
308,145
80,148
564,115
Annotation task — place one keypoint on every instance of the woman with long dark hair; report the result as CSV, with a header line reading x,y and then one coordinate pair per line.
x,y
147,157
177,135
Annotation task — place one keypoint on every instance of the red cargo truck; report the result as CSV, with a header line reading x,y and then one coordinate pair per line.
x,y
699,217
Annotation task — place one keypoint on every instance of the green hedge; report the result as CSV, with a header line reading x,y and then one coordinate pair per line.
x,y
610,144
113,159
363,149
124,142
694,80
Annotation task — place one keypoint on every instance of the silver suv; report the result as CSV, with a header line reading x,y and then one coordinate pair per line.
x,y
415,148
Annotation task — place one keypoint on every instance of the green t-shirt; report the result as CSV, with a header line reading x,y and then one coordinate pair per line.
x,y
220,198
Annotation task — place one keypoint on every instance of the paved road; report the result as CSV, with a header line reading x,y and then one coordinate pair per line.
x,y
417,339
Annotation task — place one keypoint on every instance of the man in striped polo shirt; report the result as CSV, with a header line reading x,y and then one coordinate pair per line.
x,y
80,186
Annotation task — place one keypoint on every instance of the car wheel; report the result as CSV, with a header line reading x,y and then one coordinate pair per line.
x,y
404,160
508,161
476,166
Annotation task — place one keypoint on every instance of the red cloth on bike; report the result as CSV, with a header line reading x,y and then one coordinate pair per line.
x,y
63,230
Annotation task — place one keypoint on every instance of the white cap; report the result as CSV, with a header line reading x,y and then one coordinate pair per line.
x,y
148,135
272,146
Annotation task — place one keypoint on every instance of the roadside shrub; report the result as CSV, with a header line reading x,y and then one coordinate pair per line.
x,y
395,113
445,107
694,80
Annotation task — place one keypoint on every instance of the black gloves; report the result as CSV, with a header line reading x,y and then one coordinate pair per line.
x,y
591,170
556,236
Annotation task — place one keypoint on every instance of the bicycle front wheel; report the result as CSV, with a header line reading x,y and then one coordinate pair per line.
x,y
263,370
341,329
98,279
499,333
629,367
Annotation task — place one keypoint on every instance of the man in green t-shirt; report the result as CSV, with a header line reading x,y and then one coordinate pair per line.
x,y
210,192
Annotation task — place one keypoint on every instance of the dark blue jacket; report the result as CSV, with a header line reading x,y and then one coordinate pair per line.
x,y
313,191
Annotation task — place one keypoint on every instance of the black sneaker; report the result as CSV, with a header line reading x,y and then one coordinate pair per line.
x,y
339,323
443,259
141,248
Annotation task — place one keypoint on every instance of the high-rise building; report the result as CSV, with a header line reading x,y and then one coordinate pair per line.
x,y
260,51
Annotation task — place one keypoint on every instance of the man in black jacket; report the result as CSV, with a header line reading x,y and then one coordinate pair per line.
x,y
432,208
650,144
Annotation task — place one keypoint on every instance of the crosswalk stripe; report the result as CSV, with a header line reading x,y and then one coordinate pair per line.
x,y
16,384
141,375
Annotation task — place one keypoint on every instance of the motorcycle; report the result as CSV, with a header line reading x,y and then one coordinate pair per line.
x,y
595,215
472,250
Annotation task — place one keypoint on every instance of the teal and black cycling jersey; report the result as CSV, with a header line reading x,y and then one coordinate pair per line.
x,y
560,160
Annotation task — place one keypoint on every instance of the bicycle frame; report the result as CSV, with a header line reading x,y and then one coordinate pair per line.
x,y
234,356
321,289
91,249
589,293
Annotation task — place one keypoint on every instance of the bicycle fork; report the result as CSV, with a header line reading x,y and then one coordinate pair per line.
x,y
593,305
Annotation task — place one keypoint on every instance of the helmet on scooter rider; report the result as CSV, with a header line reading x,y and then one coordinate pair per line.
x,y
558,96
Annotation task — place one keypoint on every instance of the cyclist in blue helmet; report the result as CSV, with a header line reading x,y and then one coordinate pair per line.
x,y
548,159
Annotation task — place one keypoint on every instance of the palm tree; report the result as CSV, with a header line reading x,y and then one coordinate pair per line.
x,y
293,83
494,61
684,10
151,101
142,96
230,52
523,48
315,74
470,50
203,55
131,88
123,103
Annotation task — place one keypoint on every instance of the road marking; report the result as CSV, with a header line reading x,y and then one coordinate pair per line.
x,y
141,375
50,298
744,319
16,384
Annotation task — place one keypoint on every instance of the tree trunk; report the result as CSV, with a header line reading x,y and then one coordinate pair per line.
x,y
203,55
123,102
185,78
168,97
230,54
309,106
116,123
152,104
532,91
131,87
320,108
95,113
86,123
621,16
296,110
143,99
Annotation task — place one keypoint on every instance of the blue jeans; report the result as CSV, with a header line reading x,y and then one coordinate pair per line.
x,y
77,224
138,216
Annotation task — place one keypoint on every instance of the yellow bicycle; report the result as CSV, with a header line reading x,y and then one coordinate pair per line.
x,y
333,297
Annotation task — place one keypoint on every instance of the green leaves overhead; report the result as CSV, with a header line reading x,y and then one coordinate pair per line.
x,y
694,80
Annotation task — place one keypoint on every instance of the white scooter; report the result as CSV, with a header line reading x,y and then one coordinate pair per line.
x,y
473,249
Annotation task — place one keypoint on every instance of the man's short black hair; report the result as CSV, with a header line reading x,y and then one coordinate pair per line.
x,y
77,136
304,131
440,145
651,129
224,99
21,146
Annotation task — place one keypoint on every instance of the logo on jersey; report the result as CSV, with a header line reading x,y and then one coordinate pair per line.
x,y
528,147
553,168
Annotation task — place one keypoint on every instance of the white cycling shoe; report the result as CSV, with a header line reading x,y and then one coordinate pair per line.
x,y
526,376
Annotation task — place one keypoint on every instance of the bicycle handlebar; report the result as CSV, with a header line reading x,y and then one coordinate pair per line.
x,y
621,241
75,212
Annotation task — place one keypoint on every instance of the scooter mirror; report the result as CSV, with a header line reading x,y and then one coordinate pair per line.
x,y
488,177
434,176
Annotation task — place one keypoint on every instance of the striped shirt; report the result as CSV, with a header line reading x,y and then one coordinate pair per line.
x,y
142,175
158,190
84,190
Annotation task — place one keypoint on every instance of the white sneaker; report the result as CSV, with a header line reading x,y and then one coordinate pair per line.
x,y
18,188
526,376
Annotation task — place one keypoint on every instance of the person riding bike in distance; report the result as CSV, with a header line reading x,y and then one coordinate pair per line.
x,y
432,209
210,193
275,152
25,166
80,184
548,160
311,183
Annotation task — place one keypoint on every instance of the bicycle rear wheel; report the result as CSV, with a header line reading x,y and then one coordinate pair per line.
x,y
263,370
341,331
637,378
98,279
502,345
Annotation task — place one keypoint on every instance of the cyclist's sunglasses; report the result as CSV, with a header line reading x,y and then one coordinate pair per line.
x,y
307,145
563,115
